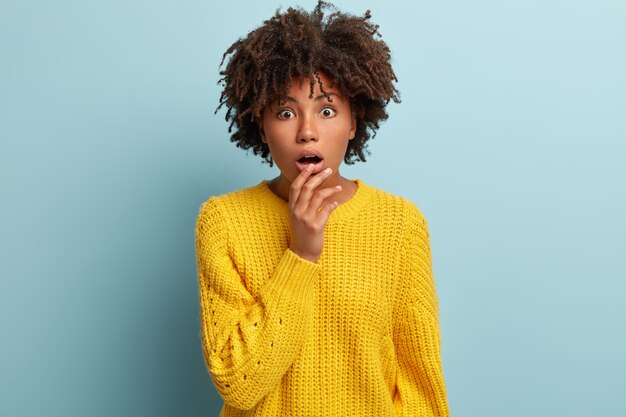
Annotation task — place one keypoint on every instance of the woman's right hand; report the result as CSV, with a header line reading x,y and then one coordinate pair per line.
x,y
306,218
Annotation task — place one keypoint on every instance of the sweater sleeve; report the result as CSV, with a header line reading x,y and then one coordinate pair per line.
x,y
248,343
420,384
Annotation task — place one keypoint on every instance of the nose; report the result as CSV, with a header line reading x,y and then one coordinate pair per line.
x,y
308,129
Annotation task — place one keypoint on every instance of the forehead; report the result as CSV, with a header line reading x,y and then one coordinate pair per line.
x,y
301,88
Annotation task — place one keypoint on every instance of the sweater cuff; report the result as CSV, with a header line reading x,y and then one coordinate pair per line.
x,y
294,277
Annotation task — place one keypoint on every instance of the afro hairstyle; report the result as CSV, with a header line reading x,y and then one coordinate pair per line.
x,y
299,43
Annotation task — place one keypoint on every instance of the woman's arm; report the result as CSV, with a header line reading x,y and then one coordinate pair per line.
x,y
421,388
248,343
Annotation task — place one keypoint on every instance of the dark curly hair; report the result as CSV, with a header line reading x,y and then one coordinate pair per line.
x,y
298,43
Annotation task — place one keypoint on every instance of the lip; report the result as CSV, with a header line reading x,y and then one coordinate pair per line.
x,y
317,168
309,152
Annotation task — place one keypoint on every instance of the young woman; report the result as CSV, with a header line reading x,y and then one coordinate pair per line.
x,y
317,296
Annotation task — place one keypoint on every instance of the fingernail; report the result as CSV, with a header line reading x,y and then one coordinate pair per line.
x,y
327,170
309,167
338,187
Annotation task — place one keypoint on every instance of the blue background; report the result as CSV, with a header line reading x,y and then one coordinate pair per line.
x,y
510,138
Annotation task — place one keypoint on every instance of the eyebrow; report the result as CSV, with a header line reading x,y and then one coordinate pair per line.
x,y
318,98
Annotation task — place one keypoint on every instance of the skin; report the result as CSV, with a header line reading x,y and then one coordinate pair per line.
x,y
305,123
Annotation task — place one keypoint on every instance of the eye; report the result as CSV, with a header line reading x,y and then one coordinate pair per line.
x,y
328,112
285,114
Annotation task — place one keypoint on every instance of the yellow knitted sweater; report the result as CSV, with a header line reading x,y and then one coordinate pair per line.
x,y
354,334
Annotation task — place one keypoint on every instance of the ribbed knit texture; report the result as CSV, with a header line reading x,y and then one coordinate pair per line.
x,y
354,334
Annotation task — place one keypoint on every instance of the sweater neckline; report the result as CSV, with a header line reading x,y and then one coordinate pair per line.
x,y
345,210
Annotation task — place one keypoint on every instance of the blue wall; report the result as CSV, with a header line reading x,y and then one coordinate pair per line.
x,y
510,138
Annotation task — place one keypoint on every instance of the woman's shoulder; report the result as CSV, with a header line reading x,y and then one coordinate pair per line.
x,y
226,206
232,200
397,204
402,213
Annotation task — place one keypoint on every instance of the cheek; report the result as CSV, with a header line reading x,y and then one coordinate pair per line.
x,y
277,132
280,153
340,132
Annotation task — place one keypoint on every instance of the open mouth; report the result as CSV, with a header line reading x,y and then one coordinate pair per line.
x,y
309,160
316,161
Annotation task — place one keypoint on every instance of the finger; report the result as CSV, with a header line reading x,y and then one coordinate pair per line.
x,y
319,196
296,185
324,213
310,186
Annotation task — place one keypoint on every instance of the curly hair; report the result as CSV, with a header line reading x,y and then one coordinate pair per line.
x,y
298,43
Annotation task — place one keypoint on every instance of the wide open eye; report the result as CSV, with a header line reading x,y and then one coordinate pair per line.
x,y
285,114
328,112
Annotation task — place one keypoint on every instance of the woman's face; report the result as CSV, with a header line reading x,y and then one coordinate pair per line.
x,y
304,124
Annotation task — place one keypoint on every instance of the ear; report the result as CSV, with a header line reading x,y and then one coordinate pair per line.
x,y
353,127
